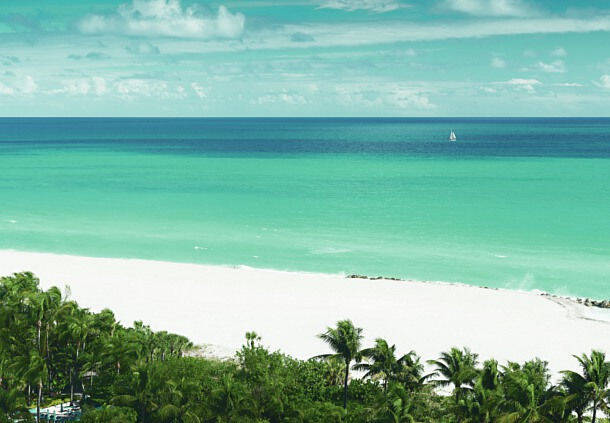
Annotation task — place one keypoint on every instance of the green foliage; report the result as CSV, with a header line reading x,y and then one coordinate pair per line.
x,y
590,388
51,348
110,414
345,340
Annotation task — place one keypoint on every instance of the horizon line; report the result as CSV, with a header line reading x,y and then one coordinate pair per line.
x,y
304,117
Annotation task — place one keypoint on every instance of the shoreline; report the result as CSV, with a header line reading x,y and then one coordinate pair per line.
x,y
216,305
588,302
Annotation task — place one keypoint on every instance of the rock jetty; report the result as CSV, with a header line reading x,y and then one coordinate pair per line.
x,y
584,301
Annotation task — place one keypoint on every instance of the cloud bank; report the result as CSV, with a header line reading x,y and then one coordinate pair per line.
x,y
21,86
490,7
165,18
604,82
521,83
378,6
498,63
558,66
559,52
357,34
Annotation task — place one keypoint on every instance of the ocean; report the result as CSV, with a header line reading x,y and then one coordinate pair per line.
x,y
514,203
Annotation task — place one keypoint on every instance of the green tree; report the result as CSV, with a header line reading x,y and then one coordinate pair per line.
x,y
526,392
110,414
229,397
577,394
382,363
410,372
592,386
141,391
33,370
345,340
175,406
11,408
401,407
458,368
482,404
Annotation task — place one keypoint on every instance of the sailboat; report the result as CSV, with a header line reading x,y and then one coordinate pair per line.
x,y
452,136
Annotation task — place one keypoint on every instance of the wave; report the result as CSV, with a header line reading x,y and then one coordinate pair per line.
x,y
330,250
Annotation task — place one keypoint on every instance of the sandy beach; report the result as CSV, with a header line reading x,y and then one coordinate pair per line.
x,y
217,305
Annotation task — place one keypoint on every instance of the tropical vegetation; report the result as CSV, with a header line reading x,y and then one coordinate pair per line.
x,y
52,350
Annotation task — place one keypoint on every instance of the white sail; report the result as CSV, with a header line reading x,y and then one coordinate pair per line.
x,y
452,137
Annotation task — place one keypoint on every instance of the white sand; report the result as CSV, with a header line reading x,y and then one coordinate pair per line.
x,y
217,305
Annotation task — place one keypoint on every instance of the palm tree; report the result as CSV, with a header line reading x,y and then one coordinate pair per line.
x,y
383,363
592,385
252,339
55,307
76,335
33,370
577,392
228,398
527,395
10,408
411,372
458,368
142,396
121,350
483,405
176,408
400,405
345,340
334,371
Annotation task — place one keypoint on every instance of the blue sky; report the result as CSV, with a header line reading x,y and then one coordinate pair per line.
x,y
304,58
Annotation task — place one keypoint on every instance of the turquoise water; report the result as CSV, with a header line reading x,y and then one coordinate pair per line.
x,y
517,203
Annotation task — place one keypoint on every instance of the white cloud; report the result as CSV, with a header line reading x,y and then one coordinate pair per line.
x,y
6,90
76,87
355,33
82,86
28,85
559,52
568,84
313,88
524,84
604,82
378,6
407,98
558,66
165,18
19,86
128,88
490,7
284,97
393,96
140,87
199,90
497,62
98,85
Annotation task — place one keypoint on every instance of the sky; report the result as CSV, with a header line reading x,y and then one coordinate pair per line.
x,y
304,58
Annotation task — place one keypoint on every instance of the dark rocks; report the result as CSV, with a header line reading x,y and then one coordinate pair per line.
x,y
372,278
601,304
585,301
588,302
593,303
